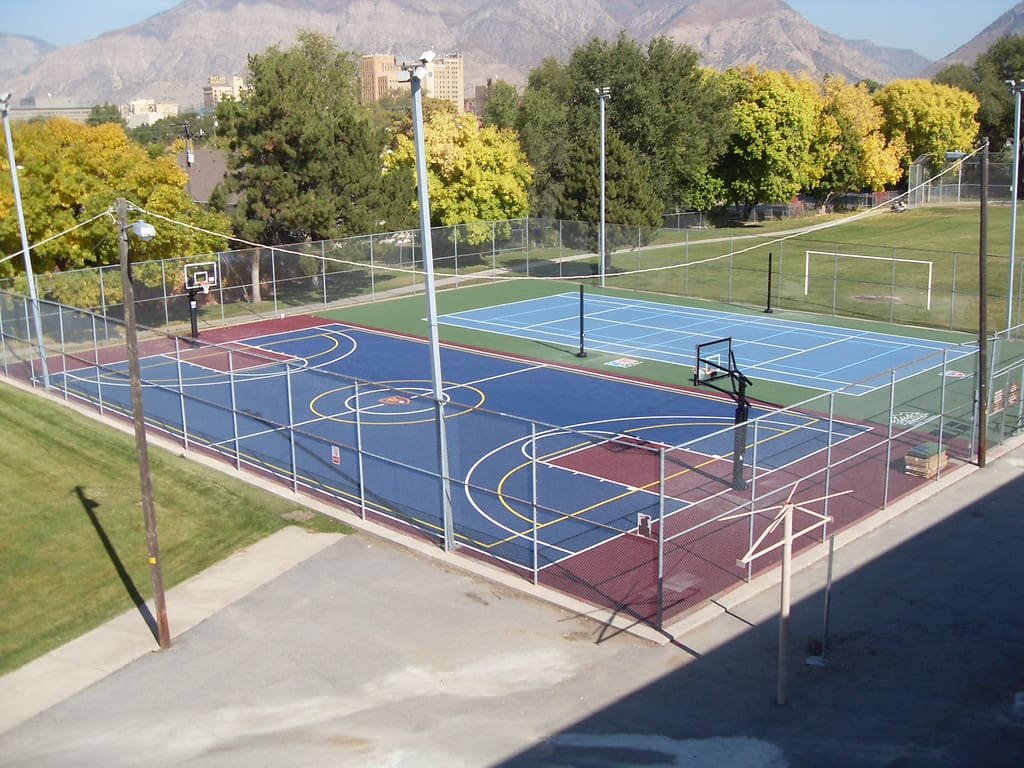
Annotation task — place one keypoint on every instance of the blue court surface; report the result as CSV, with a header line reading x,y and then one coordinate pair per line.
x,y
765,347
296,404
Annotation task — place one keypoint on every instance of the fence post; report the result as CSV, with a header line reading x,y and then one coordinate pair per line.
x,y
533,500
63,352
163,287
273,276
835,275
359,453
234,412
661,537
28,337
888,442
753,497
892,287
220,284
323,268
291,427
96,361
828,459
181,393
103,294
3,335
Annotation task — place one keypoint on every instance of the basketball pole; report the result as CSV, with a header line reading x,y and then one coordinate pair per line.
x,y
193,311
740,434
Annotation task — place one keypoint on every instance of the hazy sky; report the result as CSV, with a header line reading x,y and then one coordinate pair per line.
x,y
932,28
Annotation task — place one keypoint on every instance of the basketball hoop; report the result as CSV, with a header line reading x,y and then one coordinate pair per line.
x,y
204,286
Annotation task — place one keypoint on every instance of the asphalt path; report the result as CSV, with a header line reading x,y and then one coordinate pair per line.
x,y
370,654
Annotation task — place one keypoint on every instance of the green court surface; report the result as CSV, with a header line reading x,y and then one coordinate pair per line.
x,y
407,315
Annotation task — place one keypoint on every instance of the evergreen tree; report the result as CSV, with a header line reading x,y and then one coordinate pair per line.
x,y
305,158
630,197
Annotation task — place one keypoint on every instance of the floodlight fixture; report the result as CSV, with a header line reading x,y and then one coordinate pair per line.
x,y
143,230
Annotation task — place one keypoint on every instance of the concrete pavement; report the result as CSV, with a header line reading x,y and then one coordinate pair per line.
x,y
313,650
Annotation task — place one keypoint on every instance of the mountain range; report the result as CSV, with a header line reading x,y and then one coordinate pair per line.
x,y
169,56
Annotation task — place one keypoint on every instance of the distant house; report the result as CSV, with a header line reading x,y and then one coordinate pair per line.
x,y
141,112
207,169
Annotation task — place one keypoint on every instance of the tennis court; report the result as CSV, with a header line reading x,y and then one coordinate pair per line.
x,y
817,356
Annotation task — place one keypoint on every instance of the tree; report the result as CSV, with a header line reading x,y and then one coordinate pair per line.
x,y
1003,60
71,173
474,174
630,197
673,114
107,113
501,105
930,118
161,136
855,153
775,124
305,158
545,132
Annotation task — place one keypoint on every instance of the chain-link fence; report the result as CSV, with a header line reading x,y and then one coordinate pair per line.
x,y
800,271
533,497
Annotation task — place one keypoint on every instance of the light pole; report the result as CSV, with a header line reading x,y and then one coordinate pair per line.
x,y
982,312
143,231
1015,88
414,72
602,94
5,100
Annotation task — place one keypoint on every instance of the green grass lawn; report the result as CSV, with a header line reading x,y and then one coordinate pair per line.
x,y
72,538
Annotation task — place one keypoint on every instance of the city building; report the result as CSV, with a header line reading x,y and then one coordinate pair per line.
x,y
141,112
378,77
219,87
42,107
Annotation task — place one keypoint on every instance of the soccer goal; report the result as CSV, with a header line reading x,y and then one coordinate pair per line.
x,y
924,264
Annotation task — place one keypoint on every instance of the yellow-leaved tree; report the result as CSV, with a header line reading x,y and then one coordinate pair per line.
x,y
70,172
931,118
474,175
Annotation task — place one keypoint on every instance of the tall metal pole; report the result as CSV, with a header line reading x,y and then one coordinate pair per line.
x,y
139,421
1016,88
30,276
602,95
982,313
781,696
416,72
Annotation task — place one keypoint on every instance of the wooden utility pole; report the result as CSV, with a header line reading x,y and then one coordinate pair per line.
x,y
139,419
